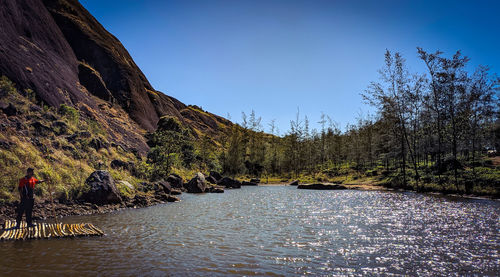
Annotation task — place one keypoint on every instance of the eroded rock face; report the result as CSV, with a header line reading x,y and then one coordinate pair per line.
x,y
101,189
92,80
119,74
229,183
34,53
60,51
197,184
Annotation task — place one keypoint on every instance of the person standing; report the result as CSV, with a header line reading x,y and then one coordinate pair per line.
x,y
26,188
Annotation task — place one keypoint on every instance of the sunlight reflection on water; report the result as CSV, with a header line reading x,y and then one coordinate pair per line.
x,y
279,231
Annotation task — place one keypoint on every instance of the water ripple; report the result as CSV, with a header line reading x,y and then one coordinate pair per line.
x,y
278,231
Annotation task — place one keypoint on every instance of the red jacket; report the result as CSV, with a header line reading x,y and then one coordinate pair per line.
x,y
31,182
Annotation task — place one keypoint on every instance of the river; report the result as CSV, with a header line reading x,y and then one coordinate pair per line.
x,y
277,231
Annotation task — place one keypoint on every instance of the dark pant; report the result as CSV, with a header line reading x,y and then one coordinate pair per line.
x,y
26,206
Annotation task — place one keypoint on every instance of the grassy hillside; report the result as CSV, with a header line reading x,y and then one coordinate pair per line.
x,y
63,145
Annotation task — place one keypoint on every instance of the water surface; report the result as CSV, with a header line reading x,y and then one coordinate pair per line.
x,y
277,231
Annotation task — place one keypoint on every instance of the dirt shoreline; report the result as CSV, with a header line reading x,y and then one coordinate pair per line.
x,y
44,210
376,187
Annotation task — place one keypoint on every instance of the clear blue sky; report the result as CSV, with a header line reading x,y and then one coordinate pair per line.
x,y
274,56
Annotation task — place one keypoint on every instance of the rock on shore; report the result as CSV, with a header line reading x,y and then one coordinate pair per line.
x,y
321,186
229,183
246,183
197,184
101,189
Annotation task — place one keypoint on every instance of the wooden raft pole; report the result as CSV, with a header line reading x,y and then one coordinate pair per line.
x,y
47,230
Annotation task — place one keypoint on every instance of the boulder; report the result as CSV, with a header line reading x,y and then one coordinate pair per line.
x,y
173,199
246,183
164,186
40,129
229,183
216,189
216,175
141,200
255,180
175,192
101,189
119,164
197,184
211,180
322,187
294,183
8,109
166,197
175,181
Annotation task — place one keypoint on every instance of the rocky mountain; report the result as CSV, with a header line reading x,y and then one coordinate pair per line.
x,y
57,49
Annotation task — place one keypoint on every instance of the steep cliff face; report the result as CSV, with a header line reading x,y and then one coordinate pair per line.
x,y
94,45
61,52
35,54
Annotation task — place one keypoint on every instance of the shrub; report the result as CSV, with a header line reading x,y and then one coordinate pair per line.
x,y
70,113
7,87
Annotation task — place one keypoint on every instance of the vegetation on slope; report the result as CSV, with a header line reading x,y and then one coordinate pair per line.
x,y
63,145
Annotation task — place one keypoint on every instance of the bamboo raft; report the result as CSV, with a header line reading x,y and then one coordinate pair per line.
x,y
47,230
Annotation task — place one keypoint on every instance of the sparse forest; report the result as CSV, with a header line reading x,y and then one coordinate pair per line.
x,y
433,131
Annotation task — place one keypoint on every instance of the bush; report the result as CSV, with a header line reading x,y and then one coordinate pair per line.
x,y
7,87
70,113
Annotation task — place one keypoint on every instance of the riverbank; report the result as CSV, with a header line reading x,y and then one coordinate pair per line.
x,y
374,186
44,209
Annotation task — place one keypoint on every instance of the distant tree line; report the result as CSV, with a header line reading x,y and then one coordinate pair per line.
x,y
429,128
